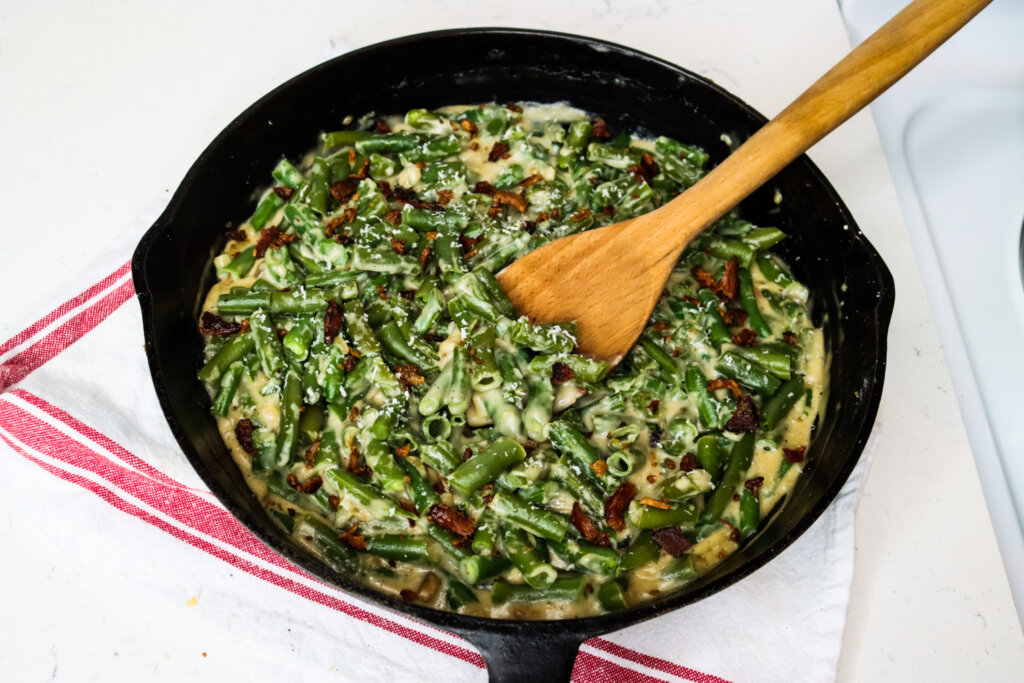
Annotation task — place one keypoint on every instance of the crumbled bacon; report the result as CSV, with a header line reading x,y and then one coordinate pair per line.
x,y
444,197
313,484
530,226
608,210
484,187
284,192
381,292
385,188
745,419
615,507
433,337
512,199
334,502
452,520
393,216
789,338
469,243
397,246
243,432
600,467
382,127
730,285
672,541
332,321
561,373
237,235
467,454
723,383
745,337
293,482
512,106
350,363
582,214
794,455
499,150
531,179
424,257
361,173
343,190
311,452
403,451
654,405
754,485
600,129
268,237
733,317
469,127
349,536
408,375
407,196
587,528
688,463
216,326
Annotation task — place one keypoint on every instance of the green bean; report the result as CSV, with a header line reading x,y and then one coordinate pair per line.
x,y
485,540
748,301
367,496
504,415
300,336
646,517
576,139
750,513
477,569
240,265
562,590
339,138
524,556
265,209
717,331
485,466
396,343
234,350
459,392
459,594
446,540
400,548
611,597
538,410
496,293
436,428
739,462
385,469
587,556
286,174
426,220
228,387
359,329
781,402
623,463
437,393
552,338
667,362
685,485
764,238
337,553
433,306
539,522
389,143
748,373
697,386
567,439
243,303
298,302
291,405
383,261
440,456
643,550
709,456
680,570
268,346
779,364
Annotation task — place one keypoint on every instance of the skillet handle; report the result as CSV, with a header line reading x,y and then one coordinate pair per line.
x,y
525,657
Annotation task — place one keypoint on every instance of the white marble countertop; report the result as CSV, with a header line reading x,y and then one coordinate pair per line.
x,y
106,106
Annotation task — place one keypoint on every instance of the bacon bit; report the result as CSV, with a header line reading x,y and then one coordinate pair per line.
x,y
351,157
467,454
587,528
361,173
408,595
433,337
405,503
652,503
670,464
424,258
343,190
385,188
512,199
600,129
452,520
556,214
745,419
293,482
692,301
469,242
408,375
334,502
216,326
381,292
730,286
661,327
469,127
672,541
600,467
397,246
444,197
676,352
355,542
650,166
730,384
408,294
350,362
267,237
284,192
733,317
474,145
282,333
582,214
530,226
393,216
403,451
438,486
794,455
353,414
531,179
243,432
654,405
499,150
512,106
789,338
542,216
407,196
312,484
237,235
704,278
561,373
382,127
754,485
311,452
608,210
332,321
615,507
688,462
745,337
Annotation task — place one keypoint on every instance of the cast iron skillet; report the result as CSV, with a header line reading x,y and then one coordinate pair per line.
x,y
852,289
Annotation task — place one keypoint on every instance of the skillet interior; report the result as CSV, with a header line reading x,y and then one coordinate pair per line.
x,y
632,91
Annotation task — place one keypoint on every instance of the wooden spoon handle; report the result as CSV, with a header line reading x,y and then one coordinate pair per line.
x,y
859,78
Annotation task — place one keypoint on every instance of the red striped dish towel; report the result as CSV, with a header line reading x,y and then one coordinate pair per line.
x,y
81,428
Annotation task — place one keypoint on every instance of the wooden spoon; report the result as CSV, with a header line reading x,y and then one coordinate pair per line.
x,y
608,280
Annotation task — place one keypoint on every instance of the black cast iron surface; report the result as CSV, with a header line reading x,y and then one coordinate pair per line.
x,y
852,290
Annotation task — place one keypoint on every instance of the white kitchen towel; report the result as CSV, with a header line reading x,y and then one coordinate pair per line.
x,y
83,431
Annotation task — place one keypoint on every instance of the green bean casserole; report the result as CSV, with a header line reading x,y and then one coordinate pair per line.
x,y
397,418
